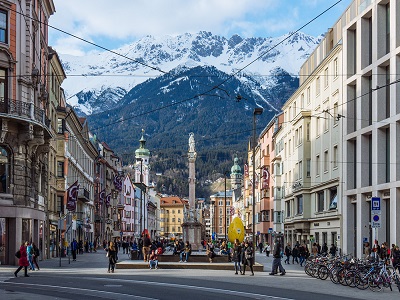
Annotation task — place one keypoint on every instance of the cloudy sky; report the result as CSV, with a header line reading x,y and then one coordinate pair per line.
x,y
112,24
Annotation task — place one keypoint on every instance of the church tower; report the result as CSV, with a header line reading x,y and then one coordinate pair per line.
x,y
236,175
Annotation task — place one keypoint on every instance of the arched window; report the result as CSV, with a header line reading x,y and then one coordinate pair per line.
x,y
4,170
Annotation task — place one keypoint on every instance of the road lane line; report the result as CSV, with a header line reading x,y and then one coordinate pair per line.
x,y
192,287
80,289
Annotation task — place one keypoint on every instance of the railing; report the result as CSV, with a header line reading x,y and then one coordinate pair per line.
x,y
84,194
24,109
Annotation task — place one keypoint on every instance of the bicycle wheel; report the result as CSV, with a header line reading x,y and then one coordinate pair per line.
x,y
362,281
333,276
323,272
375,283
350,278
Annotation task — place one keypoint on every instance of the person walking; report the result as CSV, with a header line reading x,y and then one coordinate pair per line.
x,y
248,258
260,246
112,257
35,256
146,247
288,253
237,256
268,249
23,260
302,254
29,251
74,248
277,263
396,258
295,254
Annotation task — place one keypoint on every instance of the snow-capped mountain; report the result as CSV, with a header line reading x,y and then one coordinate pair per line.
x,y
97,82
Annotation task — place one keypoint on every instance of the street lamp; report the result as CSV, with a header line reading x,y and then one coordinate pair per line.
x,y
257,111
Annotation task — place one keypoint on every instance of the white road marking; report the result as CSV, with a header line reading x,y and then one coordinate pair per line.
x,y
192,287
82,290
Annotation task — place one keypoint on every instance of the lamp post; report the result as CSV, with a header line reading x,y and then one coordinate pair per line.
x,y
225,214
257,111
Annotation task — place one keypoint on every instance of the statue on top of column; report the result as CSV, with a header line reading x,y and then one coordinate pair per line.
x,y
191,142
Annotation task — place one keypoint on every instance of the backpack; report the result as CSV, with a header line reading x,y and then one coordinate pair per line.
x,y
36,251
18,254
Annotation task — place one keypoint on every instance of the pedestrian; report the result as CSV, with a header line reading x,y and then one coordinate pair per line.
x,y
237,256
268,249
35,256
288,253
376,251
210,251
29,251
277,263
23,260
332,250
248,260
302,254
396,258
295,254
112,257
314,250
153,260
324,249
260,246
187,250
146,247
74,248
367,251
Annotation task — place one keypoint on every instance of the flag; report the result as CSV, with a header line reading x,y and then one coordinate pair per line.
x,y
108,199
265,179
102,196
118,182
72,196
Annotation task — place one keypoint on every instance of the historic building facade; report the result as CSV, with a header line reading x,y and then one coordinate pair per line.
x,y
25,130
371,131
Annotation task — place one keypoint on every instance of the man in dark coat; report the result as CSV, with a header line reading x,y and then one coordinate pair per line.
x,y
277,263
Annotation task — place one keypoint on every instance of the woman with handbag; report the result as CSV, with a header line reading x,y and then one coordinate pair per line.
x,y
248,259
112,257
22,260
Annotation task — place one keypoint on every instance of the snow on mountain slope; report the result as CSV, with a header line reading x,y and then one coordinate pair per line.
x,y
99,80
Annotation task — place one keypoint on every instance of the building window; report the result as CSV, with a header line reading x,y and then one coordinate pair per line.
x,y
308,95
3,91
308,132
127,214
326,77
317,165
60,125
60,169
300,170
288,209
326,161
335,156
173,220
3,27
302,101
220,203
317,86
320,201
300,204
335,68
4,169
308,166
333,198
326,119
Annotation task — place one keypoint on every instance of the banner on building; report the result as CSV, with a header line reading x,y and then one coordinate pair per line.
x,y
265,179
72,196
102,196
118,182
246,170
108,200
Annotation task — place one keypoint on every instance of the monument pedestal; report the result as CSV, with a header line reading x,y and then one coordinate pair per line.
x,y
192,232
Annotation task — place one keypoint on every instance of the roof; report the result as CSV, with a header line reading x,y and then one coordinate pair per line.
x,y
222,194
172,201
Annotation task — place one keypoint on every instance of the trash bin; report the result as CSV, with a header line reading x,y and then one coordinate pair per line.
x,y
134,254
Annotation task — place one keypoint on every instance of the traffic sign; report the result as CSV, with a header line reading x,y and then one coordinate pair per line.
x,y
376,212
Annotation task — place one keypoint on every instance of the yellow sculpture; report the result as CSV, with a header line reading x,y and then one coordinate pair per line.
x,y
236,230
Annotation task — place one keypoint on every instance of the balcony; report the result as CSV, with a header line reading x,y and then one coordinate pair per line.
x,y
83,195
266,204
16,108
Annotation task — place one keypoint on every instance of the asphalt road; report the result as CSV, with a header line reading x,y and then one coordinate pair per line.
x,y
87,278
